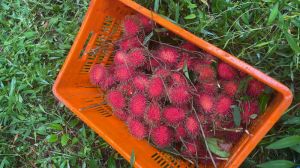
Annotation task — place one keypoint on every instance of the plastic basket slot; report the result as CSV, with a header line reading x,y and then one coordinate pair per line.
x,y
85,44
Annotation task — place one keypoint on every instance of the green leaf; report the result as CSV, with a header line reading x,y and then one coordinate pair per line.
x,y
132,159
192,6
75,140
236,115
29,34
263,102
296,148
185,70
285,142
12,86
189,17
277,164
292,121
56,126
214,147
52,138
273,14
292,42
205,2
147,38
64,139
111,163
156,5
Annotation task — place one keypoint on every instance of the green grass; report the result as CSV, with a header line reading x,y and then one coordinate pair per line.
x,y
35,37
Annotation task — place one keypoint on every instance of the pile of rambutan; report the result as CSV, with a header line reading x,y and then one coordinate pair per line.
x,y
176,96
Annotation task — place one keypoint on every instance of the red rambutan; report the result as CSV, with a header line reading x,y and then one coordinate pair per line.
x,y
162,72
156,88
146,23
180,132
168,55
97,74
249,108
173,115
107,83
121,114
137,128
192,126
131,25
209,87
162,136
242,74
126,88
205,102
137,57
140,82
184,59
137,105
115,99
226,72
255,88
129,43
208,58
153,114
190,148
205,72
223,105
189,46
179,95
177,79
230,87
120,58
123,73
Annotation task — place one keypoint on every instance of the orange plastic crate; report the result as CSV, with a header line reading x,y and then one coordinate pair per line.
x,y
95,44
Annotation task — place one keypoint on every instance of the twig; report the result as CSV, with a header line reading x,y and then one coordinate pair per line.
x,y
204,137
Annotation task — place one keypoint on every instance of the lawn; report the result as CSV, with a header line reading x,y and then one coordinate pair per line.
x,y
35,37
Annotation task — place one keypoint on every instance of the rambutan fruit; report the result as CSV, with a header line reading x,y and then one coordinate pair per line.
x,y
97,74
146,23
131,25
192,126
129,43
230,87
242,74
205,72
190,148
123,73
162,72
137,57
121,114
223,105
162,136
107,83
173,115
126,88
255,88
184,59
209,87
180,132
206,102
153,114
151,64
137,105
179,95
116,99
249,108
140,82
120,58
226,72
156,88
208,58
137,128
189,46
168,55
177,79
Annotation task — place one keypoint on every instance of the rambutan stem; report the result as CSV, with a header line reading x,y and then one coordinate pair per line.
x,y
231,129
204,137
